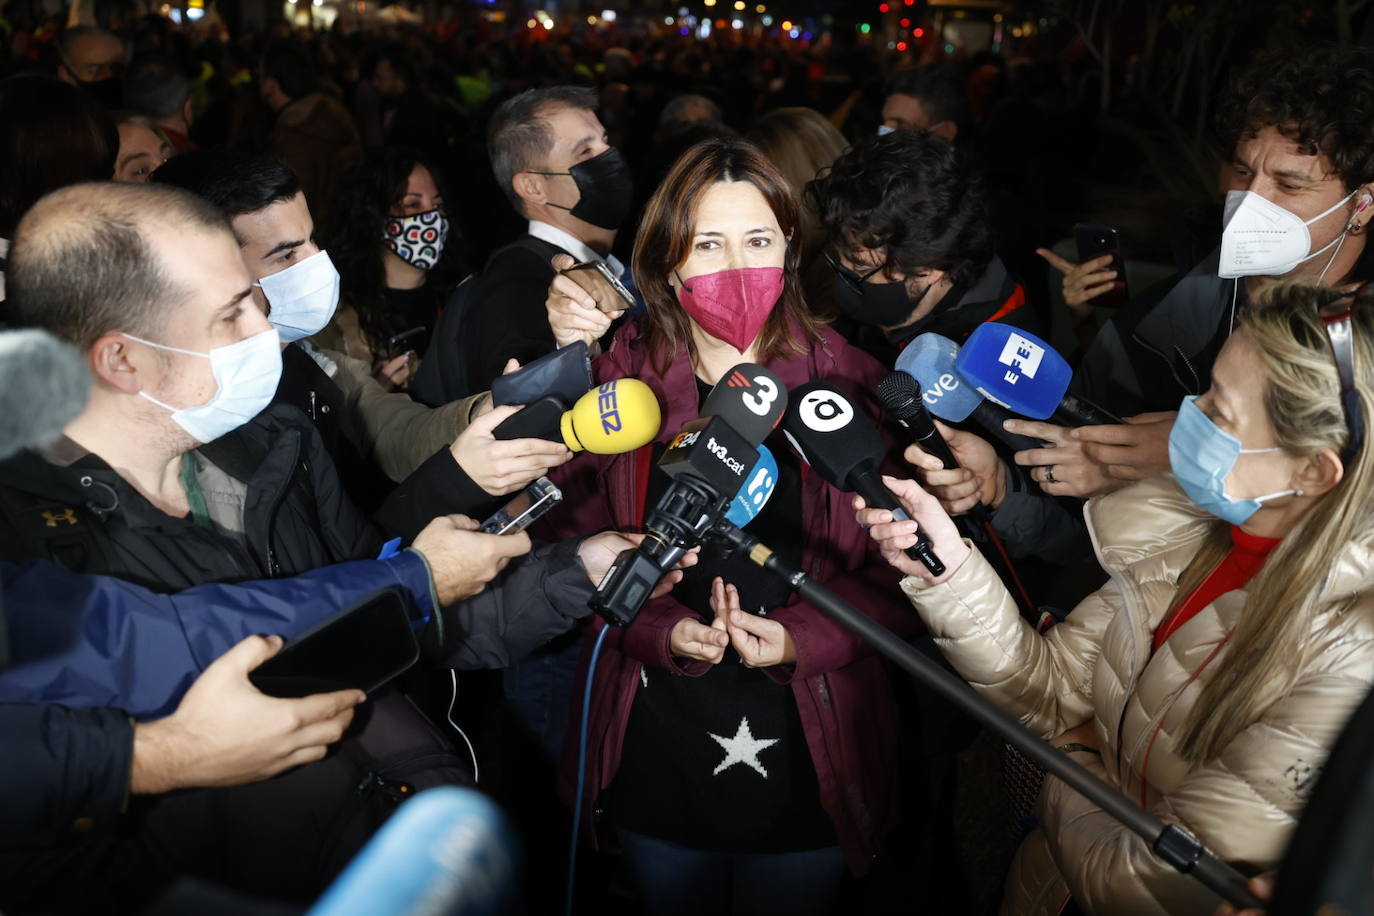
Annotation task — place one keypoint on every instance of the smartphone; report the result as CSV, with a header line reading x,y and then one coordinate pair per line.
x,y
566,373
601,268
530,503
1095,241
542,419
405,342
363,647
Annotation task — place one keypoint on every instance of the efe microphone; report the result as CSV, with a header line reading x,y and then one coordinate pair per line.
x,y
1023,373
845,448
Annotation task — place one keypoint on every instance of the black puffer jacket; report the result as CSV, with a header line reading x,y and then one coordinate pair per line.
x,y
86,517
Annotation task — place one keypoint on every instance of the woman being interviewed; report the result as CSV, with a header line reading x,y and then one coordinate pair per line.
x,y
743,755
1208,679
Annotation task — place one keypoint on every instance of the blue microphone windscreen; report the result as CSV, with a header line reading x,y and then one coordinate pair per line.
x,y
447,850
1015,369
753,496
930,360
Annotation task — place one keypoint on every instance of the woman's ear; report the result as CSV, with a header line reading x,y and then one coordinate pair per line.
x,y
1319,474
1364,210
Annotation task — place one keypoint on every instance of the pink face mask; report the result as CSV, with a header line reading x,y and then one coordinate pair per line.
x,y
732,305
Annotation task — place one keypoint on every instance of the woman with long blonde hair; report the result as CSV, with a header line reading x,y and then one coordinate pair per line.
x,y
1209,677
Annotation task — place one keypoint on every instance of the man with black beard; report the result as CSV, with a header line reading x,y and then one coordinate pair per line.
x,y
551,158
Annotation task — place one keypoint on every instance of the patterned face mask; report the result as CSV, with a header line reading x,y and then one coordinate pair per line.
x,y
419,239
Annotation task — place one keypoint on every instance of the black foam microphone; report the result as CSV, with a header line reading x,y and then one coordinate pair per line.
x,y
900,396
750,398
843,446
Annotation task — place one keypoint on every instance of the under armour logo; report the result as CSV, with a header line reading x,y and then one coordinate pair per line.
x,y
68,516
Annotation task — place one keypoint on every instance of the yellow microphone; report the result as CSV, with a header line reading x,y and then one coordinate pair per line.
x,y
615,417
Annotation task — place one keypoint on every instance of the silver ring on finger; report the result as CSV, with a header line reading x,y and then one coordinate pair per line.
x,y
1049,474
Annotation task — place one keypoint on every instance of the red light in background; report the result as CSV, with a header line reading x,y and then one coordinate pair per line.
x,y
909,2
901,46
906,23
918,31
883,7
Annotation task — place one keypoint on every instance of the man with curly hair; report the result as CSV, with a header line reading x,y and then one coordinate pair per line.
x,y
906,220
1300,128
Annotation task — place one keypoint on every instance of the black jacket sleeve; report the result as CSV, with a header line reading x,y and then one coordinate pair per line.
x,y
507,318
542,596
440,486
61,765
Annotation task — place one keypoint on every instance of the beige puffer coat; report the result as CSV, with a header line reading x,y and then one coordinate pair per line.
x,y
1097,664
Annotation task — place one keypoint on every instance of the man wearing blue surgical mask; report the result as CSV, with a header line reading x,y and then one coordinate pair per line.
x,y
363,426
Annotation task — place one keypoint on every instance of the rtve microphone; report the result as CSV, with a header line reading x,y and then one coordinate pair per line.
x,y
900,395
447,850
844,447
931,359
710,461
617,416
1024,374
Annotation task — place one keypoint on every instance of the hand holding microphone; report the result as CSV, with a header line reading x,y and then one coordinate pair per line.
x,y
920,517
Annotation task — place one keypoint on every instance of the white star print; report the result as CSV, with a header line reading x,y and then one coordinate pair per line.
x,y
644,675
743,748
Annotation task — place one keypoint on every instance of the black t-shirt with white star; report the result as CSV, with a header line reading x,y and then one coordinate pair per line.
x,y
720,762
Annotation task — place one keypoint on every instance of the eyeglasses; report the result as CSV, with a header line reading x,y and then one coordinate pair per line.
x,y
855,281
1339,330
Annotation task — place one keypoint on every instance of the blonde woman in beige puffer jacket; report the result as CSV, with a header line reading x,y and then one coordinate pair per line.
x,y
1224,726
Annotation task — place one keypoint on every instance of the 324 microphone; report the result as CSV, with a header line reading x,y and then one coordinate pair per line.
x,y
844,447
1024,374
709,462
617,416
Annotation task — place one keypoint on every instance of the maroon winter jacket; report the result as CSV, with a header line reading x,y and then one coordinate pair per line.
x,y
840,684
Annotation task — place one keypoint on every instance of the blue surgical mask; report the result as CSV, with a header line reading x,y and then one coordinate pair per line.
x,y
247,374
1202,455
884,130
302,297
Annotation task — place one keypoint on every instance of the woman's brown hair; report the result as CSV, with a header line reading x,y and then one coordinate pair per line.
x,y
665,240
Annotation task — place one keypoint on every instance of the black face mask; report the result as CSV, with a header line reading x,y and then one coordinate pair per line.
x,y
606,188
109,92
883,304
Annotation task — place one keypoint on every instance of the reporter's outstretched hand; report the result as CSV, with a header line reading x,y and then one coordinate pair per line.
x,y
572,309
1134,450
501,466
894,537
225,732
462,559
1082,282
979,479
1063,467
598,552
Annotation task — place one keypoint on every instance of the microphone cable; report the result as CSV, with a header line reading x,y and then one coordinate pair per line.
x,y
582,765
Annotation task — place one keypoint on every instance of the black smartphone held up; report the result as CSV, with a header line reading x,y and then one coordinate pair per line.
x,y
405,342
566,373
1095,241
530,503
362,647
542,419
603,270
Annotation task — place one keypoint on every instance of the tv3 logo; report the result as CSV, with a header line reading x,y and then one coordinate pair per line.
x,y
1023,356
825,411
760,400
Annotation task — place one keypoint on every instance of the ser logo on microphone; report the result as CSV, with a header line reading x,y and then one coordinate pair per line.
x,y
824,411
1022,355
610,410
